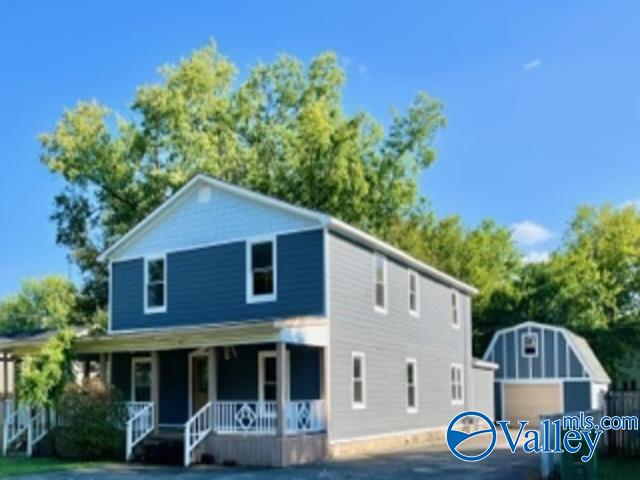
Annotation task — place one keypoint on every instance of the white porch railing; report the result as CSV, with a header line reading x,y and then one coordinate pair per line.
x,y
37,428
245,417
196,430
14,426
305,416
141,422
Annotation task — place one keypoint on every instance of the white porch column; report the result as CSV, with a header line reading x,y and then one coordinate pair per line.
x,y
281,387
155,387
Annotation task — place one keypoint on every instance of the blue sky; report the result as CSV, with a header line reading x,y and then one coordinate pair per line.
x,y
542,99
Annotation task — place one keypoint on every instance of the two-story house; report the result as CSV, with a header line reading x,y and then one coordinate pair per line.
x,y
271,334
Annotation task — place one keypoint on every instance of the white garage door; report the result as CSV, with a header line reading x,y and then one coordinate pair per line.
x,y
530,401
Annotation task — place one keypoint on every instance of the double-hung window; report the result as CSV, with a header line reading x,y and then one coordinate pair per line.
x,y
380,293
261,271
530,345
413,293
358,388
155,274
457,387
455,314
412,386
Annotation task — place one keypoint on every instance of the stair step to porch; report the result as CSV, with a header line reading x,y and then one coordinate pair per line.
x,y
160,450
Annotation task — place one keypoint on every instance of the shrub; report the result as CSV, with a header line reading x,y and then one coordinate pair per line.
x,y
91,417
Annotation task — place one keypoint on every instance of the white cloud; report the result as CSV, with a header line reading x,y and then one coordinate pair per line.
x,y
532,64
536,256
631,203
530,233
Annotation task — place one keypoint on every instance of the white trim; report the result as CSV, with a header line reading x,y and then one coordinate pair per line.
x,y
110,297
534,335
556,367
266,297
165,267
414,362
385,284
543,365
134,362
416,311
196,353
363,372
459,367
264,354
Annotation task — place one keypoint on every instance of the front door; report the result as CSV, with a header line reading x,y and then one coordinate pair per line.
x,y
199,382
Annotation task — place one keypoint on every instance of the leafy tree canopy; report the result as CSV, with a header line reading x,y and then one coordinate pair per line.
x,y
282,131
50,302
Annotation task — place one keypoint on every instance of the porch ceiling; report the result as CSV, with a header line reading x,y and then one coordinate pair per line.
x,y
301,330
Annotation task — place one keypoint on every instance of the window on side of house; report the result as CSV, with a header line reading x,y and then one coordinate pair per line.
x,y
380,280
457,387
455,314
358,394
412,386
155,274
261,271
530,345
413,294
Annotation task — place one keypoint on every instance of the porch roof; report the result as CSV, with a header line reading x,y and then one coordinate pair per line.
x,y
300,330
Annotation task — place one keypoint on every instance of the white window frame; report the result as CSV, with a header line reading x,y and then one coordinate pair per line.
x,y
363,371
412,273
147,260
262,355
536,337
455,310
385,285
134,362
414,362
266,297
454,400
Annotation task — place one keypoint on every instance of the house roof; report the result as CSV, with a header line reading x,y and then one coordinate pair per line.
x,y
324,220
579,344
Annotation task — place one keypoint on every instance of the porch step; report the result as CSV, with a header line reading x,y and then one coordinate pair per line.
x,y
160,449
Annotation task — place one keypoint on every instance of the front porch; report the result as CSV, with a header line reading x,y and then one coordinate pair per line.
x,y
248,396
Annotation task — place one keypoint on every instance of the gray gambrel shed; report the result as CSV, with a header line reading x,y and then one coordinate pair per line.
x,y
544,369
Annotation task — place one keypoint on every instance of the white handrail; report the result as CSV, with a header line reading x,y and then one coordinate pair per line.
x,y
14,426
140,424
305,416
246,417
196,430
36,429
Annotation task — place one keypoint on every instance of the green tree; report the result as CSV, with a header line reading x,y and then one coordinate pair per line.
x,y
282,131
44,303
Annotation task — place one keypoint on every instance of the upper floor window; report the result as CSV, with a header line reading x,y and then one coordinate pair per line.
x,y
413,293
358,381
412,386
380,283
261,271
455,314
457,388
530,345
155,284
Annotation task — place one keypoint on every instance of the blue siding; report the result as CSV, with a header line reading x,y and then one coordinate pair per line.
x,y
497,398
575,366
174,386
498,357
549,353
511,365
536,362
562,356
577,396
523,362
121,374
207,285
238,372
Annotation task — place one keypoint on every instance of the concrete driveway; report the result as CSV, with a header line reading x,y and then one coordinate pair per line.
x,y
407,464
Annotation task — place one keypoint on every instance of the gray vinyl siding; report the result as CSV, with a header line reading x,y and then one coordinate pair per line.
x,y
387,340
562,356
483,391
208,285
536,362
498,356
577,396
549,353
510,365
497,395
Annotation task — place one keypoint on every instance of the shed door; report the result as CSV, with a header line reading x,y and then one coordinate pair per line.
x,y
530,401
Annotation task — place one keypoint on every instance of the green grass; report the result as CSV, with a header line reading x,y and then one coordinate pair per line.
x,y
618,468
10,466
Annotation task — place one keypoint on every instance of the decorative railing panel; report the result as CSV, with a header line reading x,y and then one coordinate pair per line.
x,y
196,430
